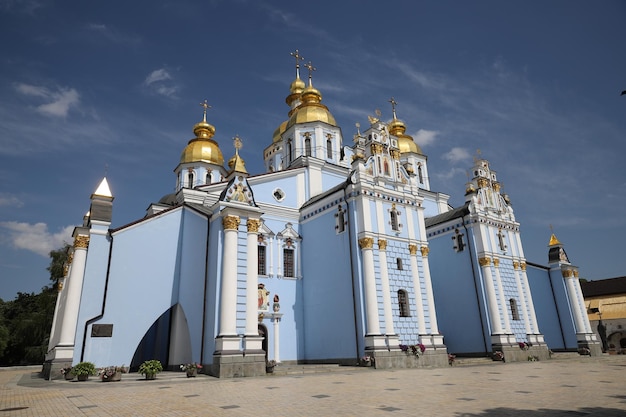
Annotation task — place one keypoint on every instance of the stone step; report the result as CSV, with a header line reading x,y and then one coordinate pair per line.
x,y
565,355
284,369
483,360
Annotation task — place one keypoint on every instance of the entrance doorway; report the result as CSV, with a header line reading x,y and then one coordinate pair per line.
x,y
263,334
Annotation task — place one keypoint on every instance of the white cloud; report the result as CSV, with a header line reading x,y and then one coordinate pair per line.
x,y
156,76
36,237
59,101
425,137
457,155
161,82
7,200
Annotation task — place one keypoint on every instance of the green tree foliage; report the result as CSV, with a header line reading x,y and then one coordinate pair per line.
x,y
25,322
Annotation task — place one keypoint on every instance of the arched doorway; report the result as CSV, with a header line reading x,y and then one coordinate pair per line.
x,y
263,334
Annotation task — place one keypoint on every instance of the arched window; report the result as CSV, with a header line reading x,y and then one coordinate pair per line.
x,y
329,148
501,240
340,225
394,220
386,166
288,262
459,245
307,146
262,260
207,179
190,179
420,175
399,264
514,311
403,303
289,151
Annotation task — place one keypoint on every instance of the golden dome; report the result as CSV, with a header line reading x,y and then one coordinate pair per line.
x,y
405,142
297,86
311,109
202,148
279,131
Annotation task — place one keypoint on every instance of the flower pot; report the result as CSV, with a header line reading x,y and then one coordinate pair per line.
x,y
269,369
150,376
83,377
113,378
191,373
68,376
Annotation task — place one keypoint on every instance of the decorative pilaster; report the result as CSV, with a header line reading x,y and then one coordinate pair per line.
x,y
492,300
276,322
522,296
568,274
392,338
228,341
74,289
503,300
421,323
436,338
531,305
253,342
373,338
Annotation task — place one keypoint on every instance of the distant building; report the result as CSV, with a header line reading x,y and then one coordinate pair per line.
x,y
606,308
340,250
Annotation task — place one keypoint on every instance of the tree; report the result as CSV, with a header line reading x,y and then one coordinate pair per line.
x,y
58,259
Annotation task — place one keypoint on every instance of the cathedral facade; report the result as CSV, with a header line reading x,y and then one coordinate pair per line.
x,y
338,251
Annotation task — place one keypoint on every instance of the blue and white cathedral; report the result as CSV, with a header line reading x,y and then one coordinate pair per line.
x,y
339,250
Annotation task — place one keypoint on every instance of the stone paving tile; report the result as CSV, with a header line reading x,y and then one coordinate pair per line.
x,y
543,389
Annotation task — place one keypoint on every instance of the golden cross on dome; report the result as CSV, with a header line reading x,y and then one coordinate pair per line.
x,y
393,107
311,68
237,143
298,58
206,106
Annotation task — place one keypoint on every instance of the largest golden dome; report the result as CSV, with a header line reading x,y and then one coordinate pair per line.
x,y
311,109
202,148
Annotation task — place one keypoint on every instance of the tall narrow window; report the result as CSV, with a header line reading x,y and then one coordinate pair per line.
x,y
459,245
307,146
190,179
288,263
420,175
262,260
386,166
207,179
501,240
399,264
329,148
340,225
514,311
289,151
395,224
403,303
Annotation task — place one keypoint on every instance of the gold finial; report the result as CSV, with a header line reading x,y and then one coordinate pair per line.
x,y
358,128
206,106
311,68
298,58
393,107
237,143
553,239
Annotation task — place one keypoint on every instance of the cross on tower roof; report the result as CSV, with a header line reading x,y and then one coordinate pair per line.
x,y
393,107
206,106
311,68
298,58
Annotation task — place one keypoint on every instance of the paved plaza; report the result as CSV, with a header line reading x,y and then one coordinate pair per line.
x,y
585,386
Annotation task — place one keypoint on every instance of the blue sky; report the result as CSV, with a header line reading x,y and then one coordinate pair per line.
x,y
94,87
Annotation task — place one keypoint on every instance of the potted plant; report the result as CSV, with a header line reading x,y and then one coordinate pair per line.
x,y
66,371
112,373
150,368
269,366
191,369
82,370
367,360
451,359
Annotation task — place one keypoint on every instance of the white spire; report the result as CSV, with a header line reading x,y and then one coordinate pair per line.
x,y
103,189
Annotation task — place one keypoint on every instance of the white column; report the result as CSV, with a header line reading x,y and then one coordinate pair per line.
x,y
369,278
568,274
503,301
434,328
384,278
228,293
419,305
252,278
74,289
492,301
524,306
579,290
529,299
270,259
276,321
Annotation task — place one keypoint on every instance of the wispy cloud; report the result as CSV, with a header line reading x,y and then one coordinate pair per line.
x,y
36,237
425,137
456,154
112,34
8,200
294,22
20,6
59,100
160,82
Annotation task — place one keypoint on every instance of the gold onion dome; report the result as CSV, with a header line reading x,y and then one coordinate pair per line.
x,y
203,148
311,109
405,142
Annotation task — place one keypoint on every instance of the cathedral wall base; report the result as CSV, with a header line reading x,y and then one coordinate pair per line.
x,y
513,353
52,369
399,359
594,347
236,366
